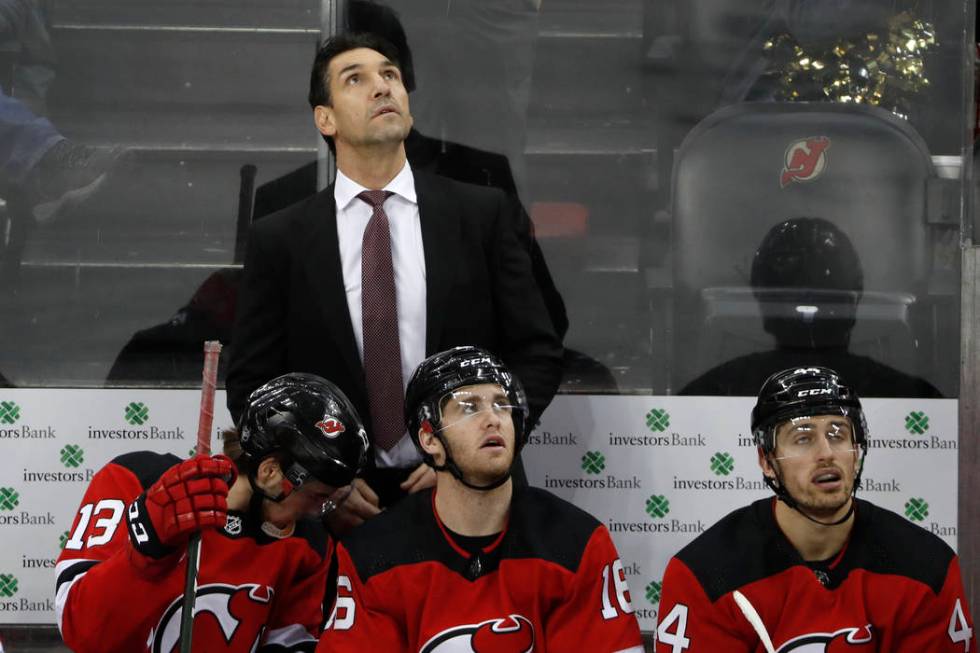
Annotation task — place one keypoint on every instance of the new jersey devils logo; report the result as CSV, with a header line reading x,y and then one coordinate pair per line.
x,y
240,613
804,160
845,640
513,634
331,426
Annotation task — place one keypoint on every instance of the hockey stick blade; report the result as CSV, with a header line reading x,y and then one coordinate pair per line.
x,y
754,619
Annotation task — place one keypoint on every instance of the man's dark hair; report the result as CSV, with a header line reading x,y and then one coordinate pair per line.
x,y
336,45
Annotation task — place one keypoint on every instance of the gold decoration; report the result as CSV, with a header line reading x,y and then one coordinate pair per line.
x,y
884,70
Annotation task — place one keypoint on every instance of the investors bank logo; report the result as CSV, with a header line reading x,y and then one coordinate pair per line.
x,y
917,423
921,435
653,591
593,462
72,455
658,506
722,464
136,413
9,412
63,539
658,420
916,509
9,498
8,585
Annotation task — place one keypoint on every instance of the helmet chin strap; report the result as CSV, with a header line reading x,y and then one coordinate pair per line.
x,y
451,467
776,485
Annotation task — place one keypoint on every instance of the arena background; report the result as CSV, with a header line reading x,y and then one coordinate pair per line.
x,y
614,122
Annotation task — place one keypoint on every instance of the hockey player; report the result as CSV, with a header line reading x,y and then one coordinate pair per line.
x,y
478,564
815,569
263,573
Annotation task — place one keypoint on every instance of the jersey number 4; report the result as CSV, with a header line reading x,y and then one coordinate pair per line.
x,y
107,514
959,630
676,619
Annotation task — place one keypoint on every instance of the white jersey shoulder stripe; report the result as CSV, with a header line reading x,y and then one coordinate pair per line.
x,y
61,597
289,636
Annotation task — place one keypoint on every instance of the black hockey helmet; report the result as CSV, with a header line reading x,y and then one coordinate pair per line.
x,y
310,425
441,373
808,262
802,392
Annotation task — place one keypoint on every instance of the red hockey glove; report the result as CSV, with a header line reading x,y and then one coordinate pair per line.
x,y
189,497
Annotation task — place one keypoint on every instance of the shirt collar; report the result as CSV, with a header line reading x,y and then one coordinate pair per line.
x,y
346,190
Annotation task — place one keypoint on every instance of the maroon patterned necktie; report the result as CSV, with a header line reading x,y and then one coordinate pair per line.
x,y
379,319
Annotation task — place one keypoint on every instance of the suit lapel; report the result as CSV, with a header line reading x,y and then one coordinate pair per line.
x,y
322,264
440,215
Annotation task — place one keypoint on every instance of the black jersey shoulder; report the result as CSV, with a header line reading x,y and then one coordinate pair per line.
x,y
403,534
540,526
747,545
887,543
147,466
315,534
742,547
549,528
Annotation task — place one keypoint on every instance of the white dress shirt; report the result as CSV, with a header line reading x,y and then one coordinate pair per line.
x,y
408,261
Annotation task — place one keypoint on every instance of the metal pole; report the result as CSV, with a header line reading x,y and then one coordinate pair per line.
x,y
331,13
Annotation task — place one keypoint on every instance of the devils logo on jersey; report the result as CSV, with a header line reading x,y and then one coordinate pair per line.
x,y
805,160
513,634
222,614
845,640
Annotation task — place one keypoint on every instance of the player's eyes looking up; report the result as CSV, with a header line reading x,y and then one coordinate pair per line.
x,y
802,436
464,404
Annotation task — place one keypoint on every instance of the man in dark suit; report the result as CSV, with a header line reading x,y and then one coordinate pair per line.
x,y
442,266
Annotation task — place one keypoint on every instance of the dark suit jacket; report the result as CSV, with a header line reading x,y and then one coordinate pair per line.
x,y
292,313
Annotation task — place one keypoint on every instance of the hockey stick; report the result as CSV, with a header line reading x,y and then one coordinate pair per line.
x,y
754,619
212,348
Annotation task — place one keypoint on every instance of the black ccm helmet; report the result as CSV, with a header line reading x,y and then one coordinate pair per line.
x,y
803,392
310,425
449,370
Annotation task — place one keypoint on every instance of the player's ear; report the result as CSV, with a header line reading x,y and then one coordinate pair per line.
x,y
269,475
427,438
765,464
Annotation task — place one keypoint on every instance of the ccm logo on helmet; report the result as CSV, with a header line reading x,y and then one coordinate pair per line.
x,y
814,392
475,361
331,426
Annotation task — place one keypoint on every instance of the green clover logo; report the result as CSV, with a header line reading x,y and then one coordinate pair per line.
x,y
63,539
722,464
72,455
658,506
8,498
917,422
916,509
593,462
653,591
8,585
658,420
9,412
137,413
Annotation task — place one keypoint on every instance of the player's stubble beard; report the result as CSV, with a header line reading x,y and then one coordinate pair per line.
x,y
813,502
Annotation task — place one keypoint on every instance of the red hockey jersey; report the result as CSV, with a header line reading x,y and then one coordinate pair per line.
x,y
551,583
895,588
255,592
